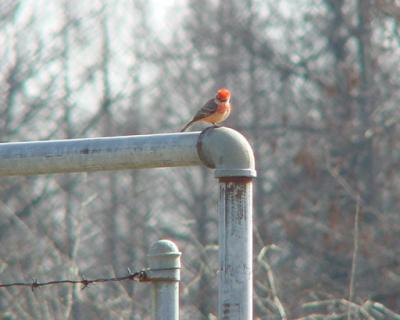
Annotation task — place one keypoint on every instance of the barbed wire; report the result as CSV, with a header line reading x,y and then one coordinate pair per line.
x,y
135,276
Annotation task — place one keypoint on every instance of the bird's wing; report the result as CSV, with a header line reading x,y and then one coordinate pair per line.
x,y
209,108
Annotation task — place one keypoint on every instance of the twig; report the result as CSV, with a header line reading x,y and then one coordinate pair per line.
x,y
264,264
354,257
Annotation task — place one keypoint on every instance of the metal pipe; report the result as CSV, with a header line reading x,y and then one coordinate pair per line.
x,y
231,155
227,151
96,154
235,293
164,274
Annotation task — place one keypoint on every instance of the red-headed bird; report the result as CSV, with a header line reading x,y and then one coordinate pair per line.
x,y
214,111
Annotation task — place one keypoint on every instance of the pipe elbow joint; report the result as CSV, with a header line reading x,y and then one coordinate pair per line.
x,y
227,151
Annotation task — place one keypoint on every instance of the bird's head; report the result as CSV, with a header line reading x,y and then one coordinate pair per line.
x,y
223,94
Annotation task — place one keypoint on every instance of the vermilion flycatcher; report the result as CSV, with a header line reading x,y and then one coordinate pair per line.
x,y
214,111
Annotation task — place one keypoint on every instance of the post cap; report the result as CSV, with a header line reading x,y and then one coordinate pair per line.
x,y
164,254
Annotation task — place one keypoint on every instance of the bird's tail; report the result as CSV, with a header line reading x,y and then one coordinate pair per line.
x,y
186,126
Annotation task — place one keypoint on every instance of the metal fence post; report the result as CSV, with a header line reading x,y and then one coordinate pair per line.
x,y
231,155
235,249
164,274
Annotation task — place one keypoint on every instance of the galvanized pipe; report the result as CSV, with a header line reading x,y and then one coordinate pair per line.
x,y
96,154
231,155
235,293
164,274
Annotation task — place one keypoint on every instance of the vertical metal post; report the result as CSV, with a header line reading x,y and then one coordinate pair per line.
x,y
164,274
231,155
235,249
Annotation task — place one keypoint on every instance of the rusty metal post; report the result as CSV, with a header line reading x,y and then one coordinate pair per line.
x,y
231,155
235,248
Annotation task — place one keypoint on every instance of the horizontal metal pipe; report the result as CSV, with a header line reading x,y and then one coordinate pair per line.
x,y
98,154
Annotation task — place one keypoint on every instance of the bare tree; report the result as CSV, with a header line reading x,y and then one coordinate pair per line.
x,y
315,90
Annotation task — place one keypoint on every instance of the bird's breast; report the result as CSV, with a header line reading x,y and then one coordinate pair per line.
x,y
223,108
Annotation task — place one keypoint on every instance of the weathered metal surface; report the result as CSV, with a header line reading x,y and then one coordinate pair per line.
x,y
235,249
227,151
164,274
96,154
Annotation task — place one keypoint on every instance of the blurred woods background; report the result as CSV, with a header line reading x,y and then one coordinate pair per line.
x,y
315,90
